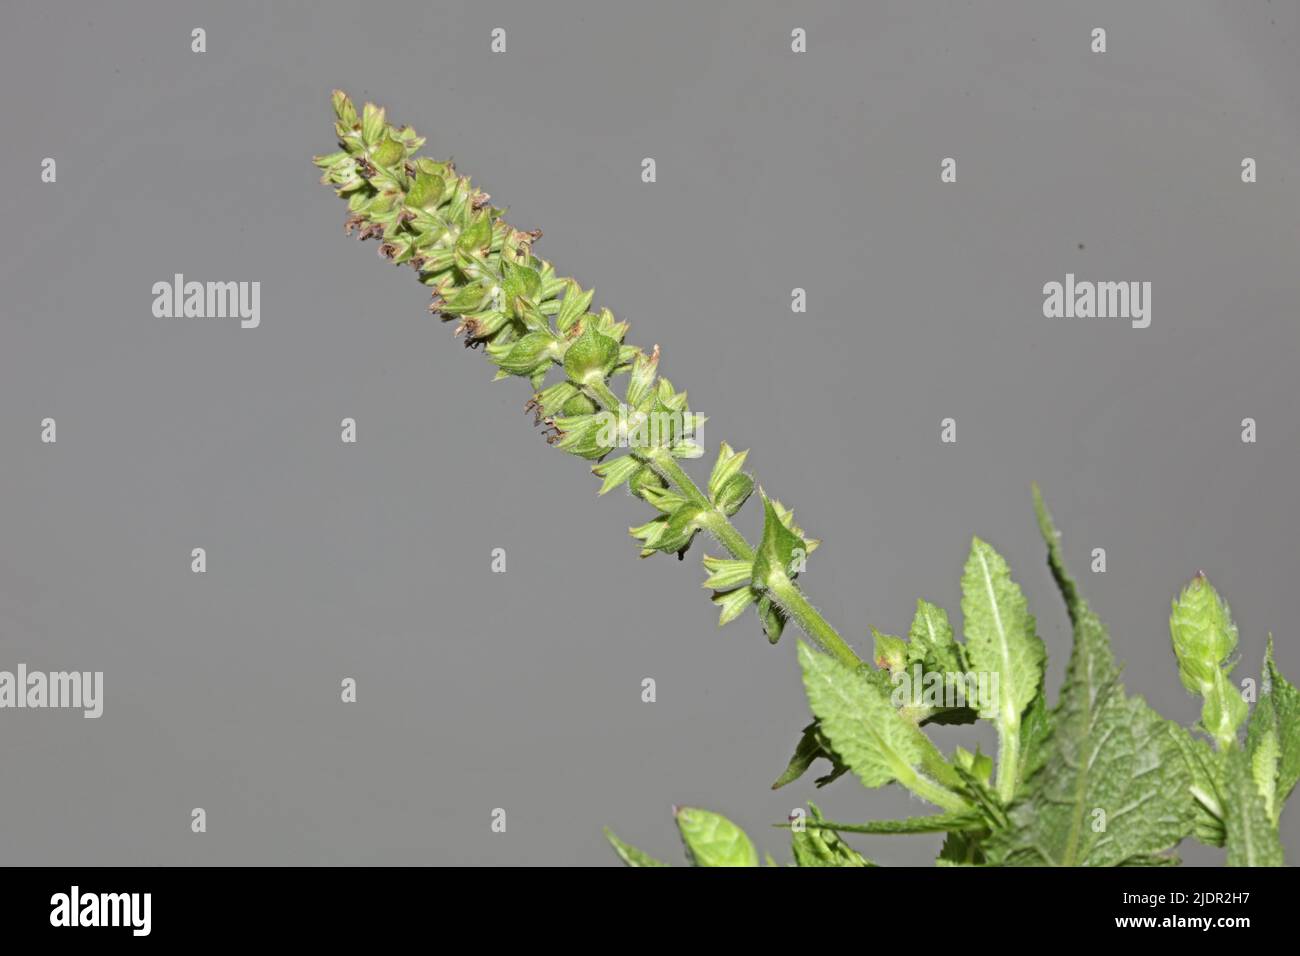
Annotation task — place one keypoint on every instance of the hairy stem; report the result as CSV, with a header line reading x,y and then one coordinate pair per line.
x,y
788,595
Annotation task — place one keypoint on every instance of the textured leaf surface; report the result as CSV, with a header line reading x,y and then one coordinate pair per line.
x,y
713,840
1112,785
1001,635
934,823
820,846
812,745
877,743
1252,835
1205,766
1277,711
630,854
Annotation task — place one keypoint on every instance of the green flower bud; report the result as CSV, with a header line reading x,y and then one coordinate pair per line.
x,y
372,124
469,298
771,617
388,152
573,306
1203,634
978,765
641,384
475,239
520,287
426,192
580,405
344,111
735,491
579,435
551,401
890,652
526,355
615,472
591,357
644,480
713,840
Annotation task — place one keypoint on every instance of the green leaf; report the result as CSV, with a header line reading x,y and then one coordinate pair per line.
x,y
934,823
1035,731
778,549
1001,638
1277,713
1252,835
1113,785
961,849
1099,750
630,854
812,746
1055,559
1205,766
877,743
931,640
821,846
591,357
713,840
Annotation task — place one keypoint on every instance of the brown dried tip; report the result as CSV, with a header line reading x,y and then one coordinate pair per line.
x,y
556,433
480,200
353,221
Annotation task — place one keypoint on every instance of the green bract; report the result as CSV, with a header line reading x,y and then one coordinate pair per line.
x,y
1098,779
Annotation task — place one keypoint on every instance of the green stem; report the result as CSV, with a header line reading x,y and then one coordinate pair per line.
x,y
788,595
939,795
598,391
1008,761
719,525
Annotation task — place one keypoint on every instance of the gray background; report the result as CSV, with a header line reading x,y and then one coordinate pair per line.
x,y
522,690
